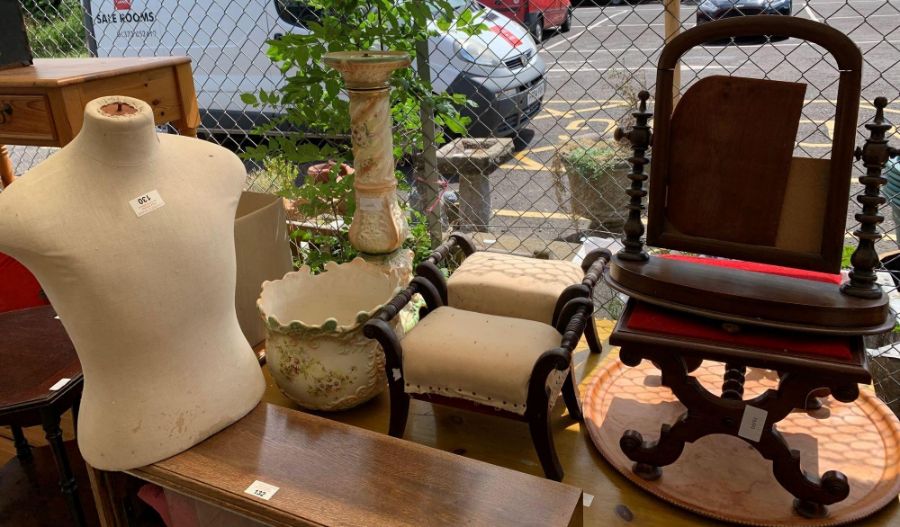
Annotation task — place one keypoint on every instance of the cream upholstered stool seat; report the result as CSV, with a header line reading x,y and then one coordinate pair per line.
x,y
485,359
510,285
502,366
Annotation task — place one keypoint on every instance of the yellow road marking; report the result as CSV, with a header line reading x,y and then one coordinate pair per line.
x,y
577,124
534,214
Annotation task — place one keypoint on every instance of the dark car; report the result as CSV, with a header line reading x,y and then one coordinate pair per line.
x,y
709,10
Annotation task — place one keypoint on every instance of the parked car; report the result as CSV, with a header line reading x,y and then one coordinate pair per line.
x,y
536,15
709,10
499,69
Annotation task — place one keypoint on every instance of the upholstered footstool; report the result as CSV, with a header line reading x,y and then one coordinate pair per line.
x,y
512,286
502,366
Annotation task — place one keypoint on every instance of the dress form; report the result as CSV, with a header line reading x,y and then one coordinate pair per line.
x,y
147,300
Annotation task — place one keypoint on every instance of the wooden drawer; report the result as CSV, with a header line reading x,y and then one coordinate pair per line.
x,y
25,119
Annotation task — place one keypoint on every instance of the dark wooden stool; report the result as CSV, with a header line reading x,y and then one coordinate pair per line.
x,y
501,366
36,354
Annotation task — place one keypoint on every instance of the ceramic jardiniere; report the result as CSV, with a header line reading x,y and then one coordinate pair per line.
x,y
315,350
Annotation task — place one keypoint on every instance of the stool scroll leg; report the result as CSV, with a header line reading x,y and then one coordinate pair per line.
x,y
590,335
67,483
380,330
542,436
23,449
570,396
593,266
537,407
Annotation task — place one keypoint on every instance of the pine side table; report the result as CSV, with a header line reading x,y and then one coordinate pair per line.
x,y
43,104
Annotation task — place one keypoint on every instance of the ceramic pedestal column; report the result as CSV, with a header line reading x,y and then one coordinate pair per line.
x,y
379,227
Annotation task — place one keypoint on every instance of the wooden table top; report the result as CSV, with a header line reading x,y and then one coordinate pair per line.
x,y
54,73
35,353
329,473
610,499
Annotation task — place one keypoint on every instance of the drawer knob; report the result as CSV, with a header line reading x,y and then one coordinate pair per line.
x,y
6,111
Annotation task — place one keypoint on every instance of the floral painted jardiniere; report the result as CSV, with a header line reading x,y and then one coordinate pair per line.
x,y
315,350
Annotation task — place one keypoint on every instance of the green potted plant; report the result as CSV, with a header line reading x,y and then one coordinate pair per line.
x,y
311,105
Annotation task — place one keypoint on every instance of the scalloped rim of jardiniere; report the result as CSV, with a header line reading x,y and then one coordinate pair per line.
x,y
367,69
302,290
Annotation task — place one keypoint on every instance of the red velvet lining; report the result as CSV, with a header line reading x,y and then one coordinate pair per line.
x,y
652,319
18,288
754,267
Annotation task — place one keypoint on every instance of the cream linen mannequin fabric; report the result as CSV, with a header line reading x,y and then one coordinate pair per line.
x,y
148,301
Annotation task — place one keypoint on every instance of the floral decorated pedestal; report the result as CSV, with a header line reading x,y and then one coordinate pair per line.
x,y
316,351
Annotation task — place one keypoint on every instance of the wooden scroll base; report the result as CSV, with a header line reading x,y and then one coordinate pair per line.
x,y
722,476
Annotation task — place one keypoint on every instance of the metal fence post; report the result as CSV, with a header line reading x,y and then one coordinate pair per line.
x,y
430,198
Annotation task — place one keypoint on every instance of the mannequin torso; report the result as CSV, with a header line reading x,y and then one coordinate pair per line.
x,y
147,300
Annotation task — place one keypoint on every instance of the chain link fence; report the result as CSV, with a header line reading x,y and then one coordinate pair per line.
x,y
538,172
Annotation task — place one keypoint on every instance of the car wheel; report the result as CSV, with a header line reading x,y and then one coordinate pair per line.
x,y
567,23
537,30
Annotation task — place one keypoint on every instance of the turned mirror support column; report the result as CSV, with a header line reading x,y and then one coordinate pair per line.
x,y
640,136
874,156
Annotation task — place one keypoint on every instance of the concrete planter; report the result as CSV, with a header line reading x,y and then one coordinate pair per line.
x,y
598,178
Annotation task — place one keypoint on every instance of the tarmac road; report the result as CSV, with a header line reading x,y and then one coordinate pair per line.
x,y
610,46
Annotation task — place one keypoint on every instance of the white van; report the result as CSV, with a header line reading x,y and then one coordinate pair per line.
x,y
499,69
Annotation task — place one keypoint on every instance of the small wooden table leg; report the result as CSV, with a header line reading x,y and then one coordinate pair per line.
x,y
7,174
185,130
67,478
190,113
23,449
107,496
